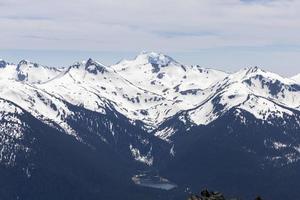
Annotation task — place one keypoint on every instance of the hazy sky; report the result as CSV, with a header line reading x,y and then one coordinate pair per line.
x,y
222,34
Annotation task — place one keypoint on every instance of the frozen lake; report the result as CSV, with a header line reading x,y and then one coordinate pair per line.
x,y
158,182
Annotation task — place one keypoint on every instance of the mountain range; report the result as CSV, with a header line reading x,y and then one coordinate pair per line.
x,y
85,131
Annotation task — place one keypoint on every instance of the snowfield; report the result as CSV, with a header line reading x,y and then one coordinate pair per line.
x,y
151,88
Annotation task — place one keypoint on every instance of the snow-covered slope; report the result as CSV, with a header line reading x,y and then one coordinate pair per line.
x,y
165,76
27,71
265,95
296,78
35,73
42,105
93,85
254,90
7,71
151,88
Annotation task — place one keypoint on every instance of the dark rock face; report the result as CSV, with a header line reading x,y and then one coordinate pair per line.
x,y
274,87
234,157
22,76
2,64
49,164
227,155
207,195
211,195
93,67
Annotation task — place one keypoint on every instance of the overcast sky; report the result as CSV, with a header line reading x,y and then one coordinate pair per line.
x,y
222,34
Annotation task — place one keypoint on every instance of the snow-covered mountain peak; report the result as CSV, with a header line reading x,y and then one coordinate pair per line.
x,y
255,73
254,69
148,60
156,59
95,67
34,73
236,89
25,62
247,72
153,87
90,66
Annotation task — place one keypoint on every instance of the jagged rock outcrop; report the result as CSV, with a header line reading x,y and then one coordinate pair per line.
x,y
206,195
212,195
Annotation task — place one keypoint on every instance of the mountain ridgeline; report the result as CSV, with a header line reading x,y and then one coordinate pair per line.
x,y
147,128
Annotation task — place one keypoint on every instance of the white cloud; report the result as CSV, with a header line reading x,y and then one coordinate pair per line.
x,y
164,25
221,31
